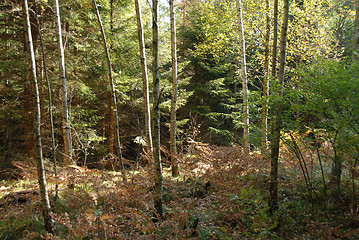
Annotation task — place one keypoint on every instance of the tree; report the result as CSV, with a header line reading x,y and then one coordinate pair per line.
x,y
158,190
112,90
111,137
244,79
276,125
275,38
210,38
341,19
145,88
66,116
328,104
46,208
265,82
50,106
173,150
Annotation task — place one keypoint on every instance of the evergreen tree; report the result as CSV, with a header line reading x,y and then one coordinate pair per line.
x,y
114,99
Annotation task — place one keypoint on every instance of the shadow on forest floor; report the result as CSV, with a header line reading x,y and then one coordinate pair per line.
x,y
221,194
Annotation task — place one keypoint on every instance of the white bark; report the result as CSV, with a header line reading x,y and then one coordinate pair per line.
x,y
244,79
50,99
66,116
146,94
265,82
275,38
49,223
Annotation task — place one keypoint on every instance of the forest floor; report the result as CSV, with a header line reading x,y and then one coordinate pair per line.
x,y
220,194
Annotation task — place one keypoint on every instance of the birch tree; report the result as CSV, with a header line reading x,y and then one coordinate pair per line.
x,y
111,137
46,208
173,149
112,90
66,117
273,188
53,142
244,78
265,82
275,38
146,94
158,189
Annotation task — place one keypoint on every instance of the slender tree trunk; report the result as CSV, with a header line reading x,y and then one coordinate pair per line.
x,y
113,91
145,87
236,80
273,188
336,171
49,223
7,122
53,142
173,149
275,38
335,177
66,117
323,175
244,79
265,82
111,137
156,116
356,31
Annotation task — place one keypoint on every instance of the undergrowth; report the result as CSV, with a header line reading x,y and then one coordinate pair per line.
x,y
220,194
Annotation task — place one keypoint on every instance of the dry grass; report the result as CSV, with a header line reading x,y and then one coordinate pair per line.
x,y
221,194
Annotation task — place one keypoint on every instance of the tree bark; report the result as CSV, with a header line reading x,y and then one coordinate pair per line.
x,y
173,149
111,137
49,223
111,134
244,79
158,189
113,91
66,117
7,122
265,82
145,87
273,188
53,142
275,38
